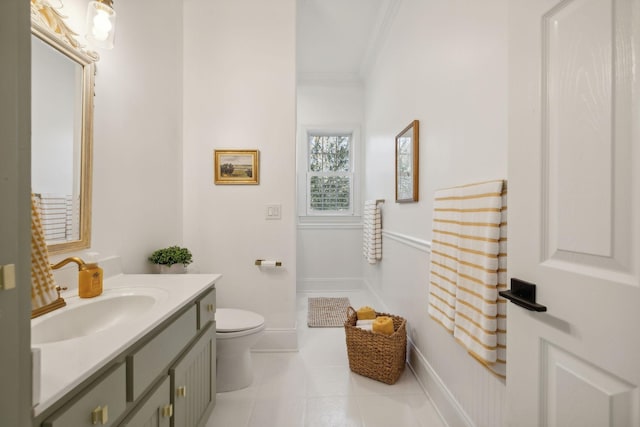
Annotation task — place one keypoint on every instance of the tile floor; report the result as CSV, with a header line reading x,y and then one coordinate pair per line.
x,y
314,386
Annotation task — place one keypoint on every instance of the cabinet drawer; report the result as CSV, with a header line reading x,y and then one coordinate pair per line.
x,y
145,364
155,411
102,402
207,309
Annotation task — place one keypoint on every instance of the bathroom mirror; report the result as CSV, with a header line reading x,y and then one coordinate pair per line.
x,y
407,146
62,82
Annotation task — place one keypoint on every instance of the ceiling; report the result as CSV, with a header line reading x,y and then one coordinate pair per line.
x,y
338,39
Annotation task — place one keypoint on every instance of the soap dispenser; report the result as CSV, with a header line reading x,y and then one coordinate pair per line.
x,y
89,277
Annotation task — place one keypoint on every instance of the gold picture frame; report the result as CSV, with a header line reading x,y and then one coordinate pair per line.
x,y
236,167
407,150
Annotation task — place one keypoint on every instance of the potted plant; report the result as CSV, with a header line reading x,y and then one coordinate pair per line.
x,y
173,259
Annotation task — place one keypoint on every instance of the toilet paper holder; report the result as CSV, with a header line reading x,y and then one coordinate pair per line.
x,y
268,263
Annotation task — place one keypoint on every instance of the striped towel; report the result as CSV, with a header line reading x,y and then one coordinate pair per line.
x,y
468,267
43,286
57,216
372,232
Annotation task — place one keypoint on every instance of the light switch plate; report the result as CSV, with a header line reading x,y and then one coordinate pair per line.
x,y
8,276
273,211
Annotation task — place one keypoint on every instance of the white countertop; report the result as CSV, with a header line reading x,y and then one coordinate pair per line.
x,y
65,364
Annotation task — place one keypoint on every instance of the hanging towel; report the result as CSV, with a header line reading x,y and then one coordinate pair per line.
x,y
444,258
500,367
468,267
43,286
372,232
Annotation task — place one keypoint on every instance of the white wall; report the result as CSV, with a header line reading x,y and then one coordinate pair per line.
x,y
137,132
239,92
329,253
445,64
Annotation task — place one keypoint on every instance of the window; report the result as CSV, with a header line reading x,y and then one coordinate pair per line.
x,y
330,173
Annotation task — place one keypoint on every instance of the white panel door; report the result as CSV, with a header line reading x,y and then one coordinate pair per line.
x,y
574,212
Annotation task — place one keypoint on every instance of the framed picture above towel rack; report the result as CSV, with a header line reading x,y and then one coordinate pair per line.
x,y
407,143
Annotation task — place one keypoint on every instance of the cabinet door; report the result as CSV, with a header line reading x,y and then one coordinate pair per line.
x,y
207,309
100,404
193,381
156,411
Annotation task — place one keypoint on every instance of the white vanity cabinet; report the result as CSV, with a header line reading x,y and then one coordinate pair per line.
x,y
165,379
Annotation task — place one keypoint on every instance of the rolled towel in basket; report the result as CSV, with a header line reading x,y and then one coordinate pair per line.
x,y
366,313
383,325
365,324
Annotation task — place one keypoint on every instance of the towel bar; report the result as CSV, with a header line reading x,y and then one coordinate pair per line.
x,y
523,294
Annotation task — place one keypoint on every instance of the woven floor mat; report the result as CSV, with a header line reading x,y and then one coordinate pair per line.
x,y
327,312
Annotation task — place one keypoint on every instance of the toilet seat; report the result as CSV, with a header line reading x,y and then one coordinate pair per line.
x,y
229,320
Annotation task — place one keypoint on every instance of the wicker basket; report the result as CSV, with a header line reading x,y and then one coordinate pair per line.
x,y
374,355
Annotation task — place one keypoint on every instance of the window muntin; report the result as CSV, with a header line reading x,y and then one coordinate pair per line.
x,y
330,174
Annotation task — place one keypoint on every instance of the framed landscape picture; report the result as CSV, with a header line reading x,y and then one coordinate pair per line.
x,y
236,167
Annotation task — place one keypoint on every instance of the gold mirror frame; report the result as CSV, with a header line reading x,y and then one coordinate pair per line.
x,y
49,26
407,163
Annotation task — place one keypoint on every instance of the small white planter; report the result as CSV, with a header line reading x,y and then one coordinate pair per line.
x,y
174,269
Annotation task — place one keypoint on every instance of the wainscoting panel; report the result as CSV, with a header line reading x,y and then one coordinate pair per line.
x,y
465,393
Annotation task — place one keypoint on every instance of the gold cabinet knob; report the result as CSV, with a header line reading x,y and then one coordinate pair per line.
x,y
181,391
210,308
167,410
100,415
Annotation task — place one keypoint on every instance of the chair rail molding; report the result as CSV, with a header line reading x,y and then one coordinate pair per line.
x,y
414,242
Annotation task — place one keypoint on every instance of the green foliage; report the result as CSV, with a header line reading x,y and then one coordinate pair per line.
x,y
227,169
330,193
329,153
330,164
171,255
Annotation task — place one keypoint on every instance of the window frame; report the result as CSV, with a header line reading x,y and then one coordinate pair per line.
x,y
305,174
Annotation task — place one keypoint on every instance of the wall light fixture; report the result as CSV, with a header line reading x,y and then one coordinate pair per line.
x,y
101,23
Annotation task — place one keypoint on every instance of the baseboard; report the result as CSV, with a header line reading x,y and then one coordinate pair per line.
x,y
445,403
329,284
452,414
281,340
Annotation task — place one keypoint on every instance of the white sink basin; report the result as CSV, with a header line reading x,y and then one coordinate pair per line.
x,y
82,317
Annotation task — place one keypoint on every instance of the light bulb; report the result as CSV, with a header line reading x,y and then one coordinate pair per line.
x,y
101,23
101,26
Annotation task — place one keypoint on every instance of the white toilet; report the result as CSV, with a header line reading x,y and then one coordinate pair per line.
x,y
236,332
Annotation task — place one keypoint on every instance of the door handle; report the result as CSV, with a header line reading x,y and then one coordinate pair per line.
x,y
523,294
